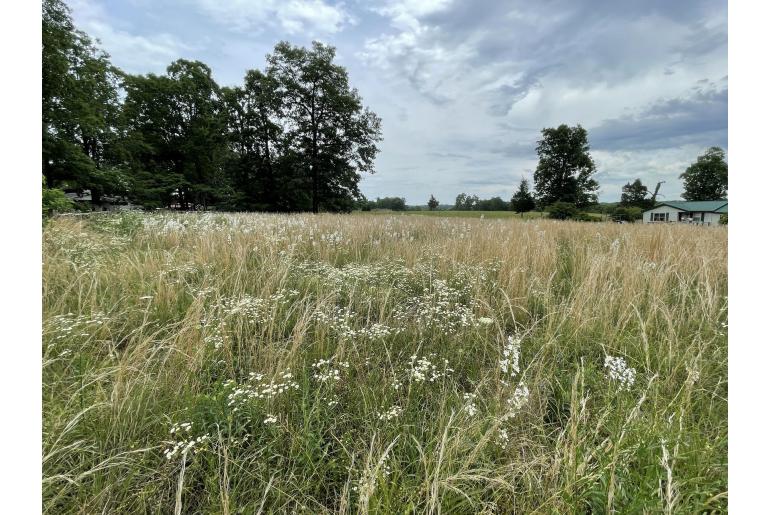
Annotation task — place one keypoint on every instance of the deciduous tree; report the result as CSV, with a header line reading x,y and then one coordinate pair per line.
x,y
635,194
706,178
564,172
333,136
79,107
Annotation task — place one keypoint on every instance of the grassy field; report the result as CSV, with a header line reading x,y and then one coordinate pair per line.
x,y
217,363
468,214
474,214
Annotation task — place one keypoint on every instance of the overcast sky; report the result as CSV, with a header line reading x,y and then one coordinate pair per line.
x,y
464,87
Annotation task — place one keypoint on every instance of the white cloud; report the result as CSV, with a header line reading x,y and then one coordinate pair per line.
x,y
291,16
135,53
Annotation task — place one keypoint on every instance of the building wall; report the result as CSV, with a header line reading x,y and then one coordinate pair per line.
x,y
673,213
711,218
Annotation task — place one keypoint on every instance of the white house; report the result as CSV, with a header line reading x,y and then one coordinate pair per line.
x,y
701,212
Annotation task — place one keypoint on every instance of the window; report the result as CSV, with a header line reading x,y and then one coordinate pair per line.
x,y
659,217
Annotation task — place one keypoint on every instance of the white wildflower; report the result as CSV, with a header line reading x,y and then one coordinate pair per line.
x,y
619,371
390,414
470,404
509,365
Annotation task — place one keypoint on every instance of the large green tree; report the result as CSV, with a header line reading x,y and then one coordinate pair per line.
x,y
80,107
565,169
331,136
176,136
706,178
255,139
523,200
634,194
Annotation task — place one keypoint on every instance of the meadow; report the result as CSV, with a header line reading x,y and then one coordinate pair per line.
x,y
451,213
256,363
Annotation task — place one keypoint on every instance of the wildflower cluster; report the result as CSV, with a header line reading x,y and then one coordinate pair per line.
x,y
61,327
502,437
470,404
83,249
184,441
215,339
509,365
391,413
423,370
439,307
517,401
256,388
340,321
325,372
619,371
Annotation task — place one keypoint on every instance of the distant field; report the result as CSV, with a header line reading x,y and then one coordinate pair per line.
x,y
474,214
479,214
334,364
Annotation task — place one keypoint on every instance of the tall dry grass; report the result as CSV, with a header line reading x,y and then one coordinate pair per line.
x,y
157,320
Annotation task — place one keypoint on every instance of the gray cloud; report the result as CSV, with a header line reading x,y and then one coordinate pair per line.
x,y
700,118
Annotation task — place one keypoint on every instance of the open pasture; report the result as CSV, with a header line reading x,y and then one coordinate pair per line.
x,y
247,363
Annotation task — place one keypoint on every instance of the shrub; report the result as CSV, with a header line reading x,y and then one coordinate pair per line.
x,y
723,219
586,217
562,211
628,214
55,201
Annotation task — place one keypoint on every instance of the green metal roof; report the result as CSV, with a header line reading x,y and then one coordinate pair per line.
x,y
706,206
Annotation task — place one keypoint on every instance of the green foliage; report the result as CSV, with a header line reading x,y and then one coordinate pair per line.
x,y
392,203
493,204
635,195
627,214
432,203
80,107
523,200
295,137
723,219
562,210
465,202
565,169
55,201
176,137
331,137
706,179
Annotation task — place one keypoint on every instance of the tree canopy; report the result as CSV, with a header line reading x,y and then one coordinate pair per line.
x,y
293,137
706,178
80,108
634,194
523,200
565,168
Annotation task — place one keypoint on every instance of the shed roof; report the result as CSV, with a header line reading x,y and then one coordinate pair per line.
x,y
706,206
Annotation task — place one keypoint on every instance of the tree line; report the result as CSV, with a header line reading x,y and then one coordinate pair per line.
x,y
294,136
564,185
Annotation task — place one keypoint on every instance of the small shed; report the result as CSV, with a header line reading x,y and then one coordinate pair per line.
x,y
699,212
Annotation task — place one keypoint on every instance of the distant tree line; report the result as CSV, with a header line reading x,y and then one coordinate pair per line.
x,y
565,188
392,203
292,137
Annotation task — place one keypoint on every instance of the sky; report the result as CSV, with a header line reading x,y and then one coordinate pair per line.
x,y
465,87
